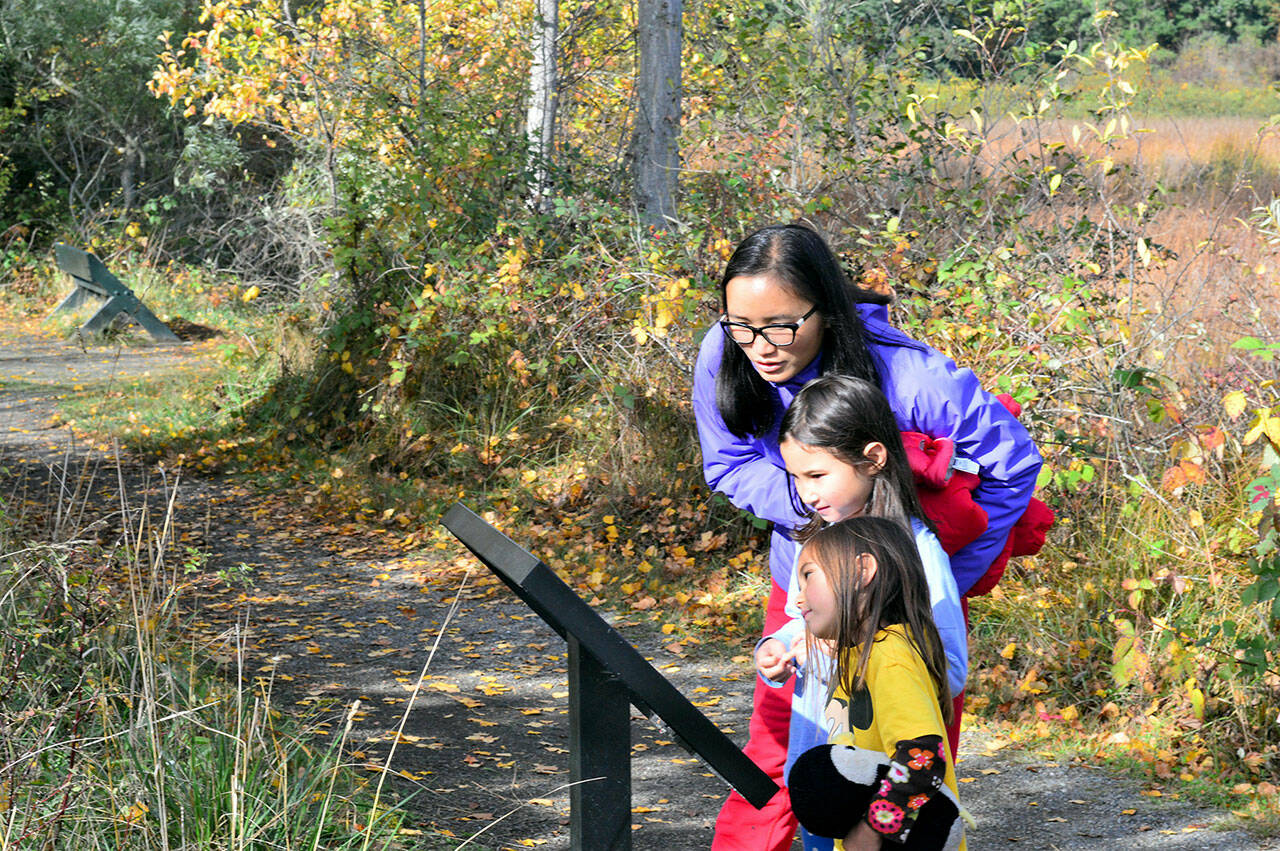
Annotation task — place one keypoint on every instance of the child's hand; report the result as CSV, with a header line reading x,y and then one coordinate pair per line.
x,y
862,838
800,649
774,661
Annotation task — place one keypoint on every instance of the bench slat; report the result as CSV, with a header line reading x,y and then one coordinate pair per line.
x,y
73,261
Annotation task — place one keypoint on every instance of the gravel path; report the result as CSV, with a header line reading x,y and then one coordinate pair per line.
x,y
337,615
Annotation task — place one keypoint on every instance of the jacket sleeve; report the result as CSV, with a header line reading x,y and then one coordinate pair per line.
x,y
736,466
947,614
930,394
793,628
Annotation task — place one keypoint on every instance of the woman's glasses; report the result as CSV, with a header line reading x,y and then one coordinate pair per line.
x,y
780,334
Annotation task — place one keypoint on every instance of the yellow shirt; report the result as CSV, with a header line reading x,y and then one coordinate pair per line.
x,y
900,702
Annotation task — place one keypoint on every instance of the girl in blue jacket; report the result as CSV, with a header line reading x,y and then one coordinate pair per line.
x,y
790,315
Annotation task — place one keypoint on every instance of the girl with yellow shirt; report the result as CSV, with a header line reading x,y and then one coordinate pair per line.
x,y
887,773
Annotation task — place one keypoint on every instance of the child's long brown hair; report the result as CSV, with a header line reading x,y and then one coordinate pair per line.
x,y
897,594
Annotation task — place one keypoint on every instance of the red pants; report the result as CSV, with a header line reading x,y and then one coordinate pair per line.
x,y
953,729
740,826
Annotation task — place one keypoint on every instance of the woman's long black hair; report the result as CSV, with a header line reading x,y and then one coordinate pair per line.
x,y
800,260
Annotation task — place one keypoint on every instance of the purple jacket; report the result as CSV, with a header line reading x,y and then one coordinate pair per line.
x,y
927,392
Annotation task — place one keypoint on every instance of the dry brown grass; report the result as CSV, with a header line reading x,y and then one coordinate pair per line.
x,y
1215,276
1212,276
1198,159
1174,149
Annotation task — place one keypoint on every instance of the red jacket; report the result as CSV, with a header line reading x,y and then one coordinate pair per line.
x,y
946,495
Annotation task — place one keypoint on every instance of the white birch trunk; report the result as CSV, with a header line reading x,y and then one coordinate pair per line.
x,y
540,126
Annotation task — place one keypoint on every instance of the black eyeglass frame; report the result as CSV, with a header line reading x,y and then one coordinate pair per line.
x,y
727,326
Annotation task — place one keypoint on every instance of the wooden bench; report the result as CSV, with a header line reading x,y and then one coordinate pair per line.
x,y
92,280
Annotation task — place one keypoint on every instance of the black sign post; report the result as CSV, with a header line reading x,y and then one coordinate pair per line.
x,y
606,675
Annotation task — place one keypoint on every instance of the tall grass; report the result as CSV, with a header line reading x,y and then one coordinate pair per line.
x,y
116,735
1208,78
1193,162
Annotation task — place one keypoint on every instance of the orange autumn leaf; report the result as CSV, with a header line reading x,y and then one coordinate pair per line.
x,y
1173,478
1194,472
1211,438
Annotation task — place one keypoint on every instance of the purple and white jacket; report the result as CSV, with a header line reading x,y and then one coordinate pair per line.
x,y
927,392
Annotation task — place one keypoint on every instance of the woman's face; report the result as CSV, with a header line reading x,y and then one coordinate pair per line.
x,y
760,300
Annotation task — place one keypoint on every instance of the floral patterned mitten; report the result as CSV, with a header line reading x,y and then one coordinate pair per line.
x,y
904,799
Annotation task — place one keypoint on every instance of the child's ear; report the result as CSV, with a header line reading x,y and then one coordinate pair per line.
x,y
877,454
868,565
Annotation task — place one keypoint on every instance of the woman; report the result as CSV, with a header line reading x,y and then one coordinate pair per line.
x,y
790,315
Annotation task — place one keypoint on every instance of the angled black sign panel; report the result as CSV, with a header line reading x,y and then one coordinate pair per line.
x,y
570,616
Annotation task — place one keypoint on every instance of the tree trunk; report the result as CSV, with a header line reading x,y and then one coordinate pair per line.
x,y
655,144
128,173
541,123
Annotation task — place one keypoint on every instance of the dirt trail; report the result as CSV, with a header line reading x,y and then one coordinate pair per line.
x,y
336,616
